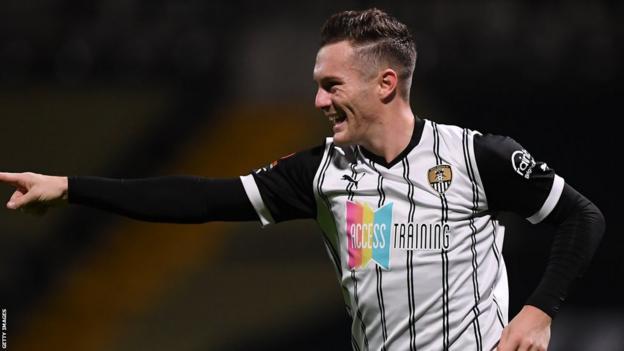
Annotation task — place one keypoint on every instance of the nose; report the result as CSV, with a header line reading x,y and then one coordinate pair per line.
x,y
322,100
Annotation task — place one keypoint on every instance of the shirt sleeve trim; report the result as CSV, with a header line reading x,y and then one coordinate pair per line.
x,y
253,193
551,201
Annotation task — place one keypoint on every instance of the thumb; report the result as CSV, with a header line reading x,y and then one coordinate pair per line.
x,y
18,202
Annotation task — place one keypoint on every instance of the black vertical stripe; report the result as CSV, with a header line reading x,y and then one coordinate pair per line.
x,y
379,272
351,184
499,313
382,307
358,312
410,190
411,253
333,251
475,278
497,256
444,300
444,253
382,193
409,298
436,146
357,307
354,343
410,258
494,247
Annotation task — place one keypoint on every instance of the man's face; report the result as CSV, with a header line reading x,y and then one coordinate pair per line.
x,y
346,93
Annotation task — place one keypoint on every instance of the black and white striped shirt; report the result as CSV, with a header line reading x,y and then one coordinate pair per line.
x,y
415,242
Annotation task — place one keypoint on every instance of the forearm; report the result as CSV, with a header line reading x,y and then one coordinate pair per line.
x,y
174,199
579,229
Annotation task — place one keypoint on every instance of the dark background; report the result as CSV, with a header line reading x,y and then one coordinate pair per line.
x,y
132,88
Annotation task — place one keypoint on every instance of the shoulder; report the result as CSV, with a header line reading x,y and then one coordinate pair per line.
x,y
304,159
451,131
493,141
493,148
487,144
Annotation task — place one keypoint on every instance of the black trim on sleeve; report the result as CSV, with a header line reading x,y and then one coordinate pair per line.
x,y
580,227
512,179
286,186
173,199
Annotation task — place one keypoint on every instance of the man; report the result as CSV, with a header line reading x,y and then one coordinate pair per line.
x,y
407,207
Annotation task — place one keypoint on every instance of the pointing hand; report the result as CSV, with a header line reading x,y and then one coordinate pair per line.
x,y
35,193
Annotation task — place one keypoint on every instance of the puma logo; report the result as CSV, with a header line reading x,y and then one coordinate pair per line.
x,y
351,180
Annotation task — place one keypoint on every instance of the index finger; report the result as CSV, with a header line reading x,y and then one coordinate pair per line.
x,y
11,178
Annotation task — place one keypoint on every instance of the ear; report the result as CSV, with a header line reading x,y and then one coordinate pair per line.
x,y
387,84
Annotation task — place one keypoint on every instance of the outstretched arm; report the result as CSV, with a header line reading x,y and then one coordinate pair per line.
x,y
175,199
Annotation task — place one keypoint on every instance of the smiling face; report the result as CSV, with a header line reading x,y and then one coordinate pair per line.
x,y
346,92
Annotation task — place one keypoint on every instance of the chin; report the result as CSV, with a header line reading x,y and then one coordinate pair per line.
x,y
341,139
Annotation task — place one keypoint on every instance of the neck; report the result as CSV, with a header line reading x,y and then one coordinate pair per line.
x,y
392,133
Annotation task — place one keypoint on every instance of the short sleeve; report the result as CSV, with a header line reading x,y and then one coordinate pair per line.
x,y
283,190
513,180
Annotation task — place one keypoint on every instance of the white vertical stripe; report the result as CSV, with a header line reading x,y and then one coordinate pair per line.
x,y
551,201
253,193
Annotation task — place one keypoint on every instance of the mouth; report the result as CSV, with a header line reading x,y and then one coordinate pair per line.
x,y
336,118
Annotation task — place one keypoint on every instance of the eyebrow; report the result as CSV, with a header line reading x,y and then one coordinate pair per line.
x,y
326,79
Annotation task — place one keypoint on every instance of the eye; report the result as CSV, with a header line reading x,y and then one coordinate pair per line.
x,y
330,86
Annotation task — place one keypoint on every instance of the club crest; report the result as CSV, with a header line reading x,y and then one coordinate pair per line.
x,y
440,178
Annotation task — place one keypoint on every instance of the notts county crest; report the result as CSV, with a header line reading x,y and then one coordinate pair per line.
x,y
440,177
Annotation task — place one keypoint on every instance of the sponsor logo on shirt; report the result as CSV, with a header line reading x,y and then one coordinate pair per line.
x,y
368,234
371,235
523,163
353,180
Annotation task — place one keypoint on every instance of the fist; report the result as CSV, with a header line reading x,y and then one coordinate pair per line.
x,y
528,331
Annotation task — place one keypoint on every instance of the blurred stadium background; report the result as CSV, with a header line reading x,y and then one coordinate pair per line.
x,y
134,88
